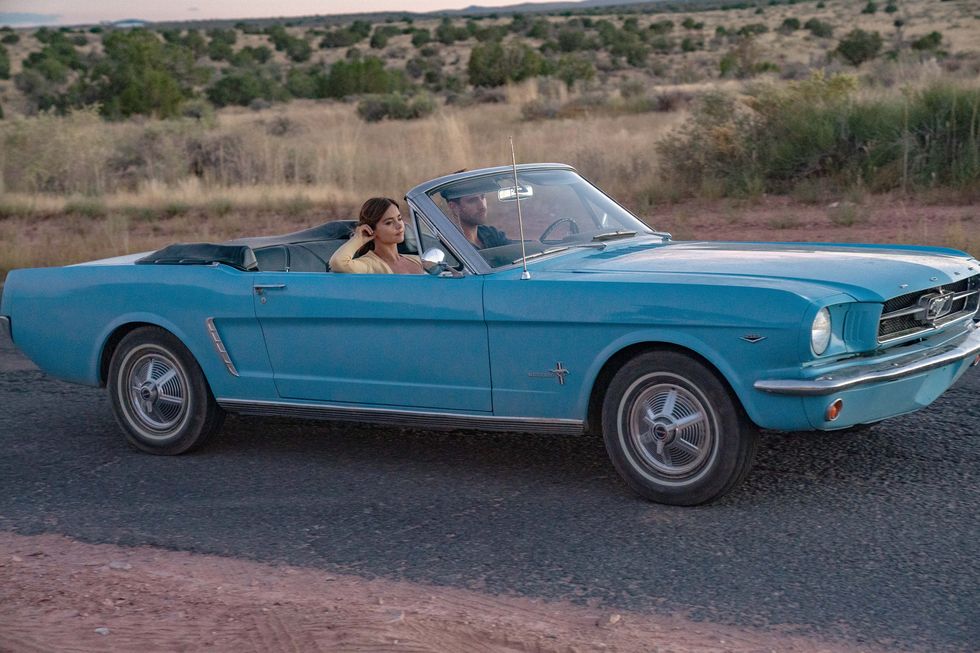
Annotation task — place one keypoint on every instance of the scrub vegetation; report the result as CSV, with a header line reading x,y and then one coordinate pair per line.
x,y
233,126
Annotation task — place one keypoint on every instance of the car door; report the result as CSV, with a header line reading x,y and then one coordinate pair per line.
x,y
395,340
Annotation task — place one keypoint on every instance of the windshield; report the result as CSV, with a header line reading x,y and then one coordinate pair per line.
x,y
559,208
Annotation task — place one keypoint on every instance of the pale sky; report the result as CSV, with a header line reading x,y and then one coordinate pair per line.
x,y
70,12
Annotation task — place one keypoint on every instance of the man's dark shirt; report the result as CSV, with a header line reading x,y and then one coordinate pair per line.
x,y
491,236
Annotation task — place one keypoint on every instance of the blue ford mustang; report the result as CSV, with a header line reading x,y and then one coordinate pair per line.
x,y
566,315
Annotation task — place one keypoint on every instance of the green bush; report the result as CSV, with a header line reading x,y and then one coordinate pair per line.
x,y
752,29
572,68
930,41
447,33
870,8
790,25
859,46
819,131
495,64
394,106
4,63
360,76
10,39
819,28
421,37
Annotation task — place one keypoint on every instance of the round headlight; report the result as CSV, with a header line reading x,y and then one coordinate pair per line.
x,y
820,332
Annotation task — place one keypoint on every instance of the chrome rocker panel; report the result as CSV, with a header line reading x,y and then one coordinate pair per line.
x,y
406,418
5,327
877,372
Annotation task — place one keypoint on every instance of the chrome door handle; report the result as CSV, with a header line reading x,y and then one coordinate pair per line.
x,y
259,287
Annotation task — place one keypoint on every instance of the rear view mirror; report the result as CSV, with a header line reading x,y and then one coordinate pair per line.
x,y
512,195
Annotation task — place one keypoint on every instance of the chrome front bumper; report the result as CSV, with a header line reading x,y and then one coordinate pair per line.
x,y
877,372
5,327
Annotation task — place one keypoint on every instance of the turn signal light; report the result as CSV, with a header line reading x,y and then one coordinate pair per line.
x,y
833,410
976,361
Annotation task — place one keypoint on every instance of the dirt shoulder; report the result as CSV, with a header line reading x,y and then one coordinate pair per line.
x,y
60,594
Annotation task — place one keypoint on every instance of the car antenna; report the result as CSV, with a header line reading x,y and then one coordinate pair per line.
x,y
520,215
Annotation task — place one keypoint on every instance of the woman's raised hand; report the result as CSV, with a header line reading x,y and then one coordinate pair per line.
x,y
364,231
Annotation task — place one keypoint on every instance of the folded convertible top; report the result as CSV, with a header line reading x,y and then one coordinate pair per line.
x,y
237,256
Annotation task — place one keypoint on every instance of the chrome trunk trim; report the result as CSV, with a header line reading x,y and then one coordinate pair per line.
x,y
219,346
406,418
5,328
878,372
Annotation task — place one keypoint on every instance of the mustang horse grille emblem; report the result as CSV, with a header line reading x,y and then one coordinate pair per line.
x,y
559,372
936,305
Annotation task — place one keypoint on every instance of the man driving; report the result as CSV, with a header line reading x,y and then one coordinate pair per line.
x,y
469,212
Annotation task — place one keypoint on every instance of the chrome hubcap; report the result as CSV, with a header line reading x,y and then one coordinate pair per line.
x,y
670,428
157,393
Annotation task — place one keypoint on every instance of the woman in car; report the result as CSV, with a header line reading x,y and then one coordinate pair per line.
x,y
373,247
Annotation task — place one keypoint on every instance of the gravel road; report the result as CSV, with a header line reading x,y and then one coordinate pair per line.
x,y
870,538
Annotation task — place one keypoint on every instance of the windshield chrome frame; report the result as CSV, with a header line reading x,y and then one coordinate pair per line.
x,y
419,198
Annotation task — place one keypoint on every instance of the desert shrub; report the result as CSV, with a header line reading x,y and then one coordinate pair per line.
x,y
790,25
490,33
243,87
752,29
359,76
194,42
4,63
344,37
691,45
447,33
819,130
139,75
494,64
379,39
891,8
632,47
394,106
572,40
573,68
870,8
743,60
859,46
421,37
819,28
10,39
930,41
661,27
249,56
540,29
299,50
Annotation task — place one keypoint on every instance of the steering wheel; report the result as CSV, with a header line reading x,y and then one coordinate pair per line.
x,y
572,229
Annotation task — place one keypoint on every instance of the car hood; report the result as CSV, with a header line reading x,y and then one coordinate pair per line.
x,y
866,272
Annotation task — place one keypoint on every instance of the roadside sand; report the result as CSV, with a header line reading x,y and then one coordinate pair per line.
x,y
58,594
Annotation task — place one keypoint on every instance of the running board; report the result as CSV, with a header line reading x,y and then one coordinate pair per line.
x,y
404,418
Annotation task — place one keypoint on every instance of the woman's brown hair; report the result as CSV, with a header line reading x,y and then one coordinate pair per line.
x,y
371,213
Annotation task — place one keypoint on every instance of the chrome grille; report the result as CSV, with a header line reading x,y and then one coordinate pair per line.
x,y
921,311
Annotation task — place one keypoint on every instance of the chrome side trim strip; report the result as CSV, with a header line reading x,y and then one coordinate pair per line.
x,y
5,327
408,418
219,346
878,372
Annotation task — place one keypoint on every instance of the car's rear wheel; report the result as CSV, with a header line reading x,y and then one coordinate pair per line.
x,y
674,431
159,394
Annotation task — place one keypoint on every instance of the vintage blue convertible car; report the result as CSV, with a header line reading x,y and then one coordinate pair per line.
x,y
548,307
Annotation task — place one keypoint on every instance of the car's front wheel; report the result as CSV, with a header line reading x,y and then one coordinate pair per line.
x,y
159,394
674,431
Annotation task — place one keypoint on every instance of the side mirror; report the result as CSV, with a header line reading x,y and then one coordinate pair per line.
x,y
434,261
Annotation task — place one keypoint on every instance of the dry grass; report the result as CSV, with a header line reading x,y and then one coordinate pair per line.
x,y
323,152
